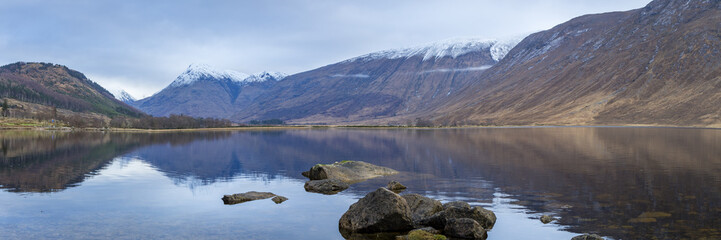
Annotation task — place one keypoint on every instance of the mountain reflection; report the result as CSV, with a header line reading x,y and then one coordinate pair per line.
x,y
630,183
47,161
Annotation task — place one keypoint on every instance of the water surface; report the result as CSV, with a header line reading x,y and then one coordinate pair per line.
x,y
622,183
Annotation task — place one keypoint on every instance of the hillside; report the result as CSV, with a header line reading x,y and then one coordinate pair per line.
x,y
45,84
388,85
659,65
202,91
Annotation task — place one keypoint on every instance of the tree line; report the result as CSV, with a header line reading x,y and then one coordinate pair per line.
x,y
170,122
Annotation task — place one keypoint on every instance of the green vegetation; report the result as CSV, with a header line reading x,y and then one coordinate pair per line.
x,y
60,87
423,235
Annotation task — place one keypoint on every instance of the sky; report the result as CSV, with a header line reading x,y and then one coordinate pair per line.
x,y
141,46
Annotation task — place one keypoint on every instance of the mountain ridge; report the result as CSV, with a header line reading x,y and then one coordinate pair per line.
x,y
204,91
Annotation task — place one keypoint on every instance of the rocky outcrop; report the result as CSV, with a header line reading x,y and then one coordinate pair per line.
x,y
422,207
248,196
325,186
587,237
379,211
464,228
348,171
384,211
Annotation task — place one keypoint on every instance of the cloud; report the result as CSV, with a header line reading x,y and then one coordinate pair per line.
x,y
350,75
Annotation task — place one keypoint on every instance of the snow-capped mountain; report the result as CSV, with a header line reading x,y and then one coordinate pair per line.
x,y
125,97
196,72
381,85
205,91
657,65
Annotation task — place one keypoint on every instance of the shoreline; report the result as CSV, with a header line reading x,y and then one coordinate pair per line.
x,y
298,127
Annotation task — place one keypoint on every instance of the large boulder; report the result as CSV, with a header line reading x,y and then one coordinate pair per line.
x,y
325,186
422,207
348,171
464,228
245,197
379,211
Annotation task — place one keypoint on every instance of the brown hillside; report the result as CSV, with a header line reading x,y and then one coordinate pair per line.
x,y
657,65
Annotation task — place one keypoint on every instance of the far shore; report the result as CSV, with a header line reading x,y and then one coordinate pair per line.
x,y
296,127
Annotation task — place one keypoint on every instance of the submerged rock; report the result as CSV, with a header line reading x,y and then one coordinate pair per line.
x,y
279,199
325,186
546,219
587,237
245,197
379,211
348,171
421,234
422,207
395,186
464,228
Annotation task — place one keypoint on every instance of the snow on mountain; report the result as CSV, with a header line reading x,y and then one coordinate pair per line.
x,y
447,48
197,72
125,97
265,76
502,47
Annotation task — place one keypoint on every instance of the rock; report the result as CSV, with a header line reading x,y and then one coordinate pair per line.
x,y
379,211
464,228
484,217
245,197
306,174
422,207
546,219
325,186
279,199
420,234
395,186
348,171
587,237
457,204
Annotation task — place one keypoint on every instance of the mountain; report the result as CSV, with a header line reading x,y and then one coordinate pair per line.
x,y
658,65
35,87
383,85
125,97
202,91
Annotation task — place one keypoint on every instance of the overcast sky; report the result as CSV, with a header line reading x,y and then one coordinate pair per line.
x,y
141,46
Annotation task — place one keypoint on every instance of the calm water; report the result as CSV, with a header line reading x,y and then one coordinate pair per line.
x,y
622,183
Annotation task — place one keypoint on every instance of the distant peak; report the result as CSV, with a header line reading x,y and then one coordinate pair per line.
x,y
447,48
197,72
